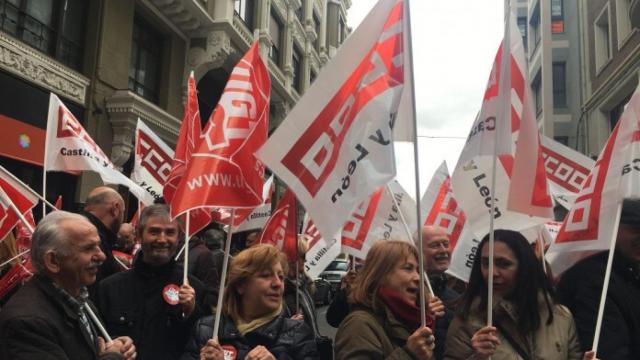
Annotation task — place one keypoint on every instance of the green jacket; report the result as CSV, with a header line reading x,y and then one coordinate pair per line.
x,y
368,334
556,341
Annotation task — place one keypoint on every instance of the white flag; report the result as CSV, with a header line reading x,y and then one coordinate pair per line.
x,y
378,219
152,161
521,182
590,224
566,169
335,147
68,147
321,252
440,208
259,216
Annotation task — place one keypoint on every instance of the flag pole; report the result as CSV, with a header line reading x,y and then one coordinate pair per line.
x,y
423,305
97,323
605,285
406,228
15,257
223,278
185,266
504,74
35,193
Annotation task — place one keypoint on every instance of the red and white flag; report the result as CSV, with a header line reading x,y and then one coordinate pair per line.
x,y
440,208
521,195
321,252
152,161
281,229
68,147
335,147
11,191
58,203
590,224
259,216
19,273
379,219
224,171
567,170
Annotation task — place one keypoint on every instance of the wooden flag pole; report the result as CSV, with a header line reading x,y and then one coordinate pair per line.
x,y
406,228
223,278
185,267
605,285
423,305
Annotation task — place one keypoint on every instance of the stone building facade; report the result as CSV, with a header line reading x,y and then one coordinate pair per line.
x,y
114,61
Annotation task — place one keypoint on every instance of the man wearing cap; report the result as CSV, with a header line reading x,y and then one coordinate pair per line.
x,y
580,289
50,316
150,303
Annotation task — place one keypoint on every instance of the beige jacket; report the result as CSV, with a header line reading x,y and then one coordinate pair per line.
x,y
556,341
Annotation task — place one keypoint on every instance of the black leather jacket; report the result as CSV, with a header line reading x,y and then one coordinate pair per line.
x,y
286,339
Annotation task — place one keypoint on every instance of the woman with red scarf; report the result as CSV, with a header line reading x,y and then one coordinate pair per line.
x,y
384,322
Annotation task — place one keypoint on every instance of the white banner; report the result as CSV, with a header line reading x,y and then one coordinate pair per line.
x,y
335,147
68,147
566,169
321,252
152,161
379,219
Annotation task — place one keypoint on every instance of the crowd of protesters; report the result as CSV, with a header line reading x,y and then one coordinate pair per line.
x,y
103,289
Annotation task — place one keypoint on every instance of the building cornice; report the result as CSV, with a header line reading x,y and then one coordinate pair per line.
x,y
31,65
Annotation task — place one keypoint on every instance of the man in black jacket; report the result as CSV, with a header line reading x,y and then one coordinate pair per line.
x,y
48,317
104,208
147,302
580,289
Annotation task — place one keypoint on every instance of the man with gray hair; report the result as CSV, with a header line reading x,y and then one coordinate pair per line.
x,y
48,318
150,303
104,208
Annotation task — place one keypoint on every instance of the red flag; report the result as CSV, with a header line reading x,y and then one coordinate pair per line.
x,y
224,171
23,234
58,204
281,228
17,274
187,141
11,191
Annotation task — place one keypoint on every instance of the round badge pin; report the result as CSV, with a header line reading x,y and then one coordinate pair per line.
x,y
230,353
170,294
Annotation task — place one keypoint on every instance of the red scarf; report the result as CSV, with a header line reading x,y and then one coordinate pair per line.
x,y
406,311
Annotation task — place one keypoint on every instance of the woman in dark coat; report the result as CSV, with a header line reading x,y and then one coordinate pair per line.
x,y
253,324
384,322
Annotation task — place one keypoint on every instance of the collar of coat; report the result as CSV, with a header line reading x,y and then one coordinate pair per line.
x,y
269,331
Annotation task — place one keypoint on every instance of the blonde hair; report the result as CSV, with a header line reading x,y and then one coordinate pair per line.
x,y
380,262
246,264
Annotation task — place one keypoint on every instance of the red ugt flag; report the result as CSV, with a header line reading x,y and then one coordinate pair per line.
x,y
281,228
22,197
224,171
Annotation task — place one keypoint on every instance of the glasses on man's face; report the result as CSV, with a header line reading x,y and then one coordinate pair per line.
x,y
438,244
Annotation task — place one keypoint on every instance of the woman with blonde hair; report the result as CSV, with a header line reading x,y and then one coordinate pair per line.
x,y
384,322
253,325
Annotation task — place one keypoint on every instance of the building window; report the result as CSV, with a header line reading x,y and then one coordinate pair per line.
x,y
535,27
146,56
312,76
559,85
245,9
602,38
296,62
616,112
557,17
275,30
623,21
316,25
300,14
522,26
564,140
56,28
536,87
